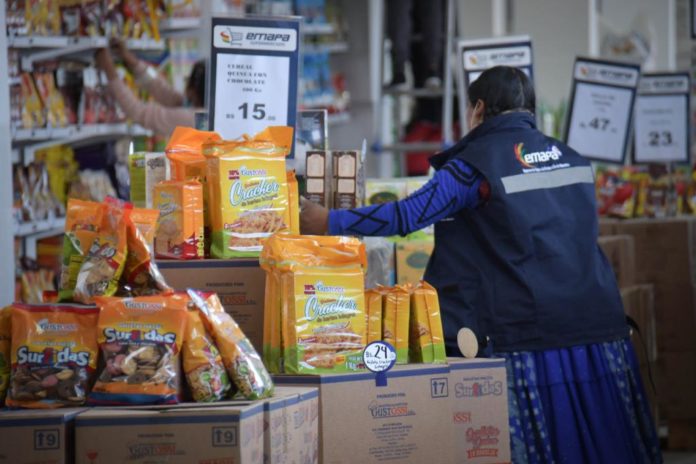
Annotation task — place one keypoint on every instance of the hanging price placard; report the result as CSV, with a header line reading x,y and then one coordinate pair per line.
x,y
601,108
254,75
662,118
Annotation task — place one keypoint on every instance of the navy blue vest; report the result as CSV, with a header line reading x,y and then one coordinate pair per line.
x,y
524,270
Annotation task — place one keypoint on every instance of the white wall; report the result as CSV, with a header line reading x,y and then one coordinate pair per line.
x,y
474,18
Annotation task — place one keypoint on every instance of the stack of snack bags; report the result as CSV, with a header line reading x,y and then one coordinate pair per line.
x,y
314,310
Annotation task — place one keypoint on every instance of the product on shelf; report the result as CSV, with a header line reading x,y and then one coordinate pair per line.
x,y
320,304
62,170
183,8
241,360
396,320
140,340
92,185
248,191
42,17
5,350
348,186
293,202
205,372
180,229
426,340
317,185
52,99
374,305
54,353
32,108
35,283
146,169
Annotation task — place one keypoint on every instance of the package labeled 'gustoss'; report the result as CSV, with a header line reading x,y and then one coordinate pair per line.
x,y
180,228
396,320
243,363
140,340
53,354
5,350
427,342
322,303
203,366
248,191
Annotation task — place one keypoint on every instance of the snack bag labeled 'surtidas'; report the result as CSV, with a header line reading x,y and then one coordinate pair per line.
x,y
322,306
53,353
140,340
248,191
243,363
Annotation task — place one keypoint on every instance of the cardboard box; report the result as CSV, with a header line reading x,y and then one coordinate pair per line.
x,y
480,410
607,226
411,259
639,305
405,421
183,434
37,436
620,251
240,283
291,430
676,384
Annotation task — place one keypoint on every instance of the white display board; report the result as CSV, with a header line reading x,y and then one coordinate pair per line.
x,y
601,108
254,75
662,119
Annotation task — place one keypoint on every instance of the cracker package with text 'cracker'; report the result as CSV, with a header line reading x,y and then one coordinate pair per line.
x,y
248,191
243,363
427,342
102,267
180,227
140,340
321,303
53,354
5,350
396,320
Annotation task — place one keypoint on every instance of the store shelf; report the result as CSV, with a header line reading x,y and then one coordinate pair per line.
x,y
318,29
173,25
336,47
45,228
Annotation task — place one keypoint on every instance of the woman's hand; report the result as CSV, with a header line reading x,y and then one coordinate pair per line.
x,y
314,218
103,61
119,47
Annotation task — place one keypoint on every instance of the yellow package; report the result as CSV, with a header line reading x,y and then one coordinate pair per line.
x,y
203,366
248,192
54,354
140,340
146,169
293,203
103,265
396,321
374,302
322,309
272,323
32,108
5,350
426,329
241,360
180,227
82,224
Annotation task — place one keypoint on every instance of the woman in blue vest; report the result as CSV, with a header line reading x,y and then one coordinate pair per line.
x,y
516,260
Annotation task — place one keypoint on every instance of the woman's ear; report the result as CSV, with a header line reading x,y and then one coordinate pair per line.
x,y
479,110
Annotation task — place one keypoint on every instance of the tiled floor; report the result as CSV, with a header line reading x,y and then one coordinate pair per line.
x,y
674,457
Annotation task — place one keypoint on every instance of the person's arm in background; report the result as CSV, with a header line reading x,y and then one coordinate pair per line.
x,y
151,115
454,187
147,77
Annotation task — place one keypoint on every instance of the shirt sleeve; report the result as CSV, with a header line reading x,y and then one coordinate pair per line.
x,y
157,87
453,188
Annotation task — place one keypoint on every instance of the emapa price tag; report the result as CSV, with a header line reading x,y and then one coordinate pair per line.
x,y
601,108
254,75
379,357
662,118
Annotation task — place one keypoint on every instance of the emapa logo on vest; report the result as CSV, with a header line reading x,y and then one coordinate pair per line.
x,y
528,160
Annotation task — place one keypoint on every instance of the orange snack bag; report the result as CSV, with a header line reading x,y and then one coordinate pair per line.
x,y
294,203
185,154
180,227
54,354
82,222
140,339
396,320
5,350
203,366
427,342
102,268
373,303
141,276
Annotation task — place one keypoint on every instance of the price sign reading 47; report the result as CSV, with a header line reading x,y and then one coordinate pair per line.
x,y
600,124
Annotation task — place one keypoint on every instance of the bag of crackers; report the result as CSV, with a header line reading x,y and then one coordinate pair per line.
x,y
53,353
427,340
140,340
248,191
320,307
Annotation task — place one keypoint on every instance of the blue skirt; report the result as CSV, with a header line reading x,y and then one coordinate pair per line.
x,y
584,404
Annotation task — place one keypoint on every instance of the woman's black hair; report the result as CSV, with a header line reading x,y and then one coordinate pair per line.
x,y
503,88
196,82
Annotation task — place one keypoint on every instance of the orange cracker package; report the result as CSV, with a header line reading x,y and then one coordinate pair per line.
x,y
5,350
427,339
140,340
54,354
294,203
184,151
203,367
82,222
396,321
248,191
241,360
141,276
180,228
103,265
373,303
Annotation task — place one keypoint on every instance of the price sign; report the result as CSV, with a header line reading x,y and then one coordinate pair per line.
x,y
475,56
254,75
662,118
601,107
379,357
